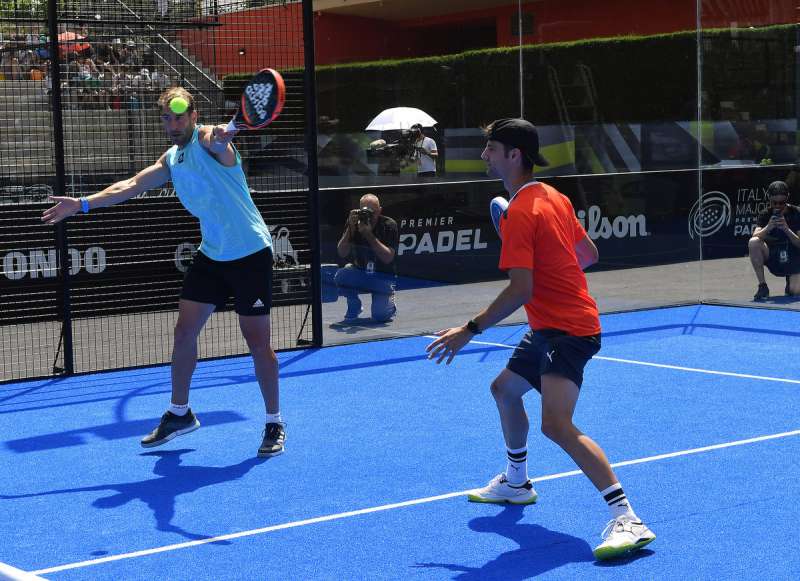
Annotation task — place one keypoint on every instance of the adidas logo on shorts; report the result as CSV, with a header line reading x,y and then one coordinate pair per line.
x,y
258,303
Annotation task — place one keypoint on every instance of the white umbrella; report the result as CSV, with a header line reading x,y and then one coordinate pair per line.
x,y
400,118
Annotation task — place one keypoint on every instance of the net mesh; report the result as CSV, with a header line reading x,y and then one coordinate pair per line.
x,y
126,263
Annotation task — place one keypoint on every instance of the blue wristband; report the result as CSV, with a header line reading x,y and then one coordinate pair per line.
x,y
85,205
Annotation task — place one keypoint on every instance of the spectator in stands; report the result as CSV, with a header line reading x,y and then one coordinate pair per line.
x,y
142,81
776,242
369,242
127,54
159,80
5,62
234,258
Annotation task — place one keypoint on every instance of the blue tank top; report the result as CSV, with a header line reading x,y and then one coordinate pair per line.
x,y
230,224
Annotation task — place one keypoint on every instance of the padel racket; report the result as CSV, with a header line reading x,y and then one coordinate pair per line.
x,y
262,101
497,210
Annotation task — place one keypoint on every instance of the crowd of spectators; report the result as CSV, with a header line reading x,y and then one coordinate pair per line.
x,y
118,74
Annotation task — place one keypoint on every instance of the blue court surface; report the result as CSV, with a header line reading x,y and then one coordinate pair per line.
x,y
697,407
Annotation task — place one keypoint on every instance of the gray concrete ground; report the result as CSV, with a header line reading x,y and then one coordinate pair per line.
x,y
727,281
146,339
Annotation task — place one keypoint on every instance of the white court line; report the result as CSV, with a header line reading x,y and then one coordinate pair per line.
x,y
384,507
9,573
662,365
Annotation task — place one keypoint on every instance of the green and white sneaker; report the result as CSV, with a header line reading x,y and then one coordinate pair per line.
x,y
623,535
499,491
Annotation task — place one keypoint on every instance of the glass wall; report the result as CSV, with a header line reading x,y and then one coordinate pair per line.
x,y
749,70
613,90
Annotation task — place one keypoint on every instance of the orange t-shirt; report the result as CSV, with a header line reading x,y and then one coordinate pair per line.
x,y
539,233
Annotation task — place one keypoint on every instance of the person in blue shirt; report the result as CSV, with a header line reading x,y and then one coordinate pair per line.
x,y
234,258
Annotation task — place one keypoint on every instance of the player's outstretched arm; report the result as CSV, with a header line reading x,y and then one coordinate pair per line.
x,y
150,177
218,141
517,293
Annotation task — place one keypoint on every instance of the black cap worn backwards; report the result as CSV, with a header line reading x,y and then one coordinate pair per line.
x,y
520,134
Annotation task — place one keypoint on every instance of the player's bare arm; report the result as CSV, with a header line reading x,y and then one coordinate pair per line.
x,y
518,292
218,141
586,252
150,177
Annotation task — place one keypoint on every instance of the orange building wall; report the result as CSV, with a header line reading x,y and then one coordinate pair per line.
x,y
218,47
342,39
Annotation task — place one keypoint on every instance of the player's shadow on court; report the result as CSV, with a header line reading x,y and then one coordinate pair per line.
x,y
117,430
540,549
160,494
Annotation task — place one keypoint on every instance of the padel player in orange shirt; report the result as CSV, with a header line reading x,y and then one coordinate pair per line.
x,y
544,252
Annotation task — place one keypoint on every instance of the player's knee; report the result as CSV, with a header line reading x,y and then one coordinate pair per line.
x,y
501,391
184,335
263,350
556,428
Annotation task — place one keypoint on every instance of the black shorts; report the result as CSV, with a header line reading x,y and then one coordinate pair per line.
x,y
248,280
552,351
788,268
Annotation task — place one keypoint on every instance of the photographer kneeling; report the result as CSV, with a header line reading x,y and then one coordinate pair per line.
x,y
369,242
776,242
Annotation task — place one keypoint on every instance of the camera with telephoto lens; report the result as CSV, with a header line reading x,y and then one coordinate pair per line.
x,y
365,215
399,147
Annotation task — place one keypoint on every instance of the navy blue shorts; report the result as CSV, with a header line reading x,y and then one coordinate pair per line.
x,y
552,351
248,280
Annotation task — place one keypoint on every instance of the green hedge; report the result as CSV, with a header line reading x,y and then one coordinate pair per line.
x,y
637,79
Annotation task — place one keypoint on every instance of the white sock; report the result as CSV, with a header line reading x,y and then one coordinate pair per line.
x,y
517,467
177,409
617,502
274,418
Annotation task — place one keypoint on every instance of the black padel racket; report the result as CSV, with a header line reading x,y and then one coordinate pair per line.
x,y
262,101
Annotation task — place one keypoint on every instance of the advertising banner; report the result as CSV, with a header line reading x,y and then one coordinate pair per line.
x,y
635,219
132,258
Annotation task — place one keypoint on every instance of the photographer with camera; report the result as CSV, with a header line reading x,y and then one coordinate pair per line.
x,y
775,242
426,152
369,242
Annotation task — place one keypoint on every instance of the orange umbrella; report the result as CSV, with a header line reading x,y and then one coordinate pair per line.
x,y
72,42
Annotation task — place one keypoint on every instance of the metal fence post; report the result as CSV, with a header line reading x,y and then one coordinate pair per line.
x,y
60,181
309,83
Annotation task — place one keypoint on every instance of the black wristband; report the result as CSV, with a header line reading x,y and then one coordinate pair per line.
x,y
473,328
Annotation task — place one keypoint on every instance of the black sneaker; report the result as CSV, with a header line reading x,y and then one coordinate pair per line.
x,y
762,292
272,444
171,426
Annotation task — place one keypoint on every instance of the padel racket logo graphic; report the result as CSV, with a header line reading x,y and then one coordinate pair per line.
x,y
258,95
709,214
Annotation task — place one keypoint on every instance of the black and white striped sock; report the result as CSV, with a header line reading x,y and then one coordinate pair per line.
x,y
517,468
617,501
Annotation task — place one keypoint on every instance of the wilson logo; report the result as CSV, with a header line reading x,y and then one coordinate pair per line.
x,y
599,226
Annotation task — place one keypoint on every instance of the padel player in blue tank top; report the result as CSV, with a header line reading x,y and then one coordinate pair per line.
x,y
234,258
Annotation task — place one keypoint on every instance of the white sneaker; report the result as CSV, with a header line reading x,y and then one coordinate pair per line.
x,y
622,535
499,491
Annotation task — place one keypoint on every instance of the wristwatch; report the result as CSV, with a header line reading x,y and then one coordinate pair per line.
x,y
473,328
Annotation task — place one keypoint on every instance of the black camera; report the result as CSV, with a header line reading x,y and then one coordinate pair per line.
x,y
397,146
365,215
